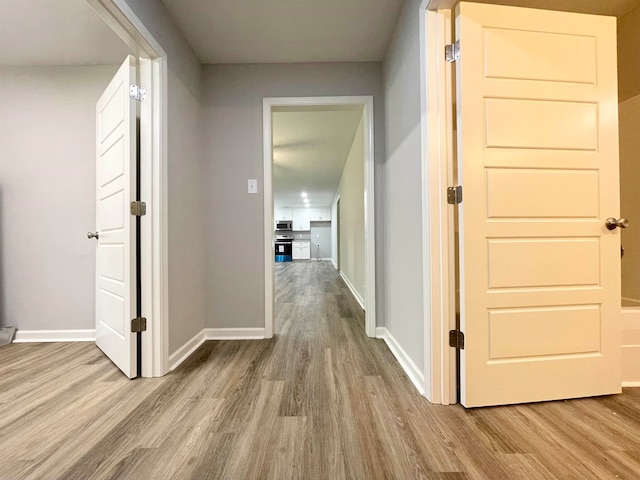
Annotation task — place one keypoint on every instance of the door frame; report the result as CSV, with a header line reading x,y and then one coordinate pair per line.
x,y
335,233
369,201
152,71
438,239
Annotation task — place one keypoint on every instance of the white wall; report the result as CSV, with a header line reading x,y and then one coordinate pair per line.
x,y
351,192
187,287
402,266
47,195
233,151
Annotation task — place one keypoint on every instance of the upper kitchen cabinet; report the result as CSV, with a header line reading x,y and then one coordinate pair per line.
x,y
283,213
301,219
320,214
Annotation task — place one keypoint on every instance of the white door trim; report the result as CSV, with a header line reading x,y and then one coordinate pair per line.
x,y
438,228
335,239
369,199
153,178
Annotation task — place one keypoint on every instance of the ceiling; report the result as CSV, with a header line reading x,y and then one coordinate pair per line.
x,y
286,31
310,147
56,32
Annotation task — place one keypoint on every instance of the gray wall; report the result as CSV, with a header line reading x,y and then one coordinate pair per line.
x,y
320,234
185,186
47,195
403,198
232,131
351,192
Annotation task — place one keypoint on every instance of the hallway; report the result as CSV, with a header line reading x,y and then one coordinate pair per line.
x,y
320,401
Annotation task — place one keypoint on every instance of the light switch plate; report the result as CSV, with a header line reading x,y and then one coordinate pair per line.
x,y
252,185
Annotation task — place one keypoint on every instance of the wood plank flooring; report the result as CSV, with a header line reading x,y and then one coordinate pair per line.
x,y
320,401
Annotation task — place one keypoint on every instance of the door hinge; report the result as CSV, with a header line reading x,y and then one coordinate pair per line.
x,y
138,324
137,93
452,51
456,339
454,195
138,209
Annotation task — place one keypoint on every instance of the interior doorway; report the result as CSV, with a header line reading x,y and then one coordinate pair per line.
x,y
365,104
437,34
152,75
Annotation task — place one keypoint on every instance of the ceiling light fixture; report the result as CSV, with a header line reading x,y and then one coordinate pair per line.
x,y
303,194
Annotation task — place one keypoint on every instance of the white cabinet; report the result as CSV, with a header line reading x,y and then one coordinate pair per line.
x,y
301,219
301,250
320,214
283,213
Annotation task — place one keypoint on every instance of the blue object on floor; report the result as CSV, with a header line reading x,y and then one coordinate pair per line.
x,y
283,258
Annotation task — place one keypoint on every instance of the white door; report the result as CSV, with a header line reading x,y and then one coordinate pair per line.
x,y
115,189
538,162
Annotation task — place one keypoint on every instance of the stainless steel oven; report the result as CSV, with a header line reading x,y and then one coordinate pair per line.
x,y
284,247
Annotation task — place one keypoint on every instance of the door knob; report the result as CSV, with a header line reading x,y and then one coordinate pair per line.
x,y
612,223
93,235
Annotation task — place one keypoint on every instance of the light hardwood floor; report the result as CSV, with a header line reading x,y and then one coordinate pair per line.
x,y
320,401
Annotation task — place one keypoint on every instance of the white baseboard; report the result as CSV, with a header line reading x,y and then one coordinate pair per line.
x,y
186,350
335,265
410,368
46,336
234,333
355,293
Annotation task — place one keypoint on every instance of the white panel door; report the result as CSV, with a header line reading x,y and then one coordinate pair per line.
x,y
538,162
115,189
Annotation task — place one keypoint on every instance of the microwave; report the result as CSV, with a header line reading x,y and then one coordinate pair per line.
x,y
284,225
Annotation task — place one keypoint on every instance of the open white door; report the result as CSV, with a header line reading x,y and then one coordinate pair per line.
x,y
115,190
538,163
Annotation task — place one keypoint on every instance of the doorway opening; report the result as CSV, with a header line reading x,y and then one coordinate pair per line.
x,y
271,106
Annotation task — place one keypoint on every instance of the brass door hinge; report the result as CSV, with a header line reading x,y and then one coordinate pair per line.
x,y
456,339
138,324
138,209
454,195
